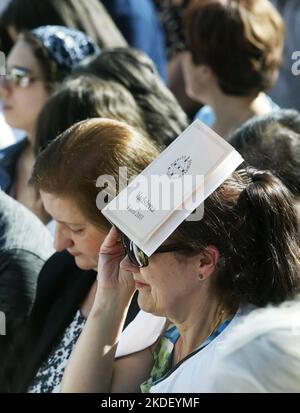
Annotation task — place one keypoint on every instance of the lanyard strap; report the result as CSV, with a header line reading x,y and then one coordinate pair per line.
x,y
164,354
213,335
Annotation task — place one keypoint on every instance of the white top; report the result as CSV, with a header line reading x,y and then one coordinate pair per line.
x,y
263,353
140,334
191,376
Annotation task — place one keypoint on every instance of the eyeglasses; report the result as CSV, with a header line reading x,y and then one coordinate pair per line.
x,y
139,258
17,77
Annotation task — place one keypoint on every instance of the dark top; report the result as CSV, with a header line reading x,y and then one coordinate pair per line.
x,y
8,161
62,287
139,23
25,245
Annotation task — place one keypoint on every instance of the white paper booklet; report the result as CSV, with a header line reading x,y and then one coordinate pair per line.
x,y
158,200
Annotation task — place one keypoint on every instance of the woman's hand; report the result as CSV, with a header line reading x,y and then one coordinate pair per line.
x,y
92,362
110,275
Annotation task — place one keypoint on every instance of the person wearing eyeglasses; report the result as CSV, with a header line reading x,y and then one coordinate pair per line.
x,y
204,279
67,282
37,64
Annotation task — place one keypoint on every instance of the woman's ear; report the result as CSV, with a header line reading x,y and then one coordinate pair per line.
x,y
208,262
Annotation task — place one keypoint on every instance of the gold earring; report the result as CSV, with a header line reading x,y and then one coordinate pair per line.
x,y
200,277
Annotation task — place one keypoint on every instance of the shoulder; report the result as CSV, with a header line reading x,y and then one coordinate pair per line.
x,y
22,230
7,137
192,374
60,266
274,105
263,321
13,150
268,341
18,267
62,282
8,160
18,278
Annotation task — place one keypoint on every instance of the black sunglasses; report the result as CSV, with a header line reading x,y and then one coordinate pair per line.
x,y
139,258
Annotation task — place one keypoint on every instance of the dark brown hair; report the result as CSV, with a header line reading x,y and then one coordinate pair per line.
x,y
240,40
84,97
273,142
71,164
162,114
251,220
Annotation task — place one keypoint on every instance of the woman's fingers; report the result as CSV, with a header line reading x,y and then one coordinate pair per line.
x,y
110,255
110,242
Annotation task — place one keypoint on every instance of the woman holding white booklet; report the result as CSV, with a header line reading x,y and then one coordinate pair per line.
x,y
204,279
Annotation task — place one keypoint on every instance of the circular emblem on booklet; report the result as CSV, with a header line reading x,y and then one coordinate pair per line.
x,y
179,167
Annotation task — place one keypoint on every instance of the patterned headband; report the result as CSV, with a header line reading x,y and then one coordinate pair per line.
x,y
67,47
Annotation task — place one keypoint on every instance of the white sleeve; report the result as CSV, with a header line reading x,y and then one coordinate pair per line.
x,y
141,333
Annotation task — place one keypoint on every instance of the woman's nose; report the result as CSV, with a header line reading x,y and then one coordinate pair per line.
x,y
128,266
62,241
